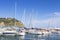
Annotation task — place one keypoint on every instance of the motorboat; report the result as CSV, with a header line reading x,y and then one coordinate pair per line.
x,y
12,33
21,31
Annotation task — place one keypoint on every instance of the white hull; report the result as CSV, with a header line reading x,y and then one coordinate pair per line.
x,y
9,34
12,33
21,33
1,33
37,33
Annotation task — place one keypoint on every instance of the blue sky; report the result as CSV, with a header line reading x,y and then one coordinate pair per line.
x,y
46,13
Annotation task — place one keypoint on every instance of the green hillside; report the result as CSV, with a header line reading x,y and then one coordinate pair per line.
x,y
11,22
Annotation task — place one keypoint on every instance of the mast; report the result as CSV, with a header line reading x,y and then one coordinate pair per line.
x,y
30,24
30,21
54,21
15,14
24,16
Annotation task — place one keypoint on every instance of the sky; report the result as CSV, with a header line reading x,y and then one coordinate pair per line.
x,y
37,13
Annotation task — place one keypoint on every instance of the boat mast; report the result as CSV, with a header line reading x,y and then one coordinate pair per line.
x,y
30,21
15,14
54,22
30,24
24,16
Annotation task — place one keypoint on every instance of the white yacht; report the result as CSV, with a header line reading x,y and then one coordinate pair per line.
x,y
12,33
39,32
34,31
21,32
9,31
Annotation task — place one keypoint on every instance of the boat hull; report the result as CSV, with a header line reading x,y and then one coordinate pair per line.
x,y
21,33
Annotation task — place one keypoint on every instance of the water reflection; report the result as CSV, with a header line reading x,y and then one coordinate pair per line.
x,y
31,37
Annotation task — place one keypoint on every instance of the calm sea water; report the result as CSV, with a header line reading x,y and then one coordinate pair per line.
x,y
31,37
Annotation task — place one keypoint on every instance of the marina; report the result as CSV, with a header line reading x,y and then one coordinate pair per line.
x,y
19,33
29,19
22,31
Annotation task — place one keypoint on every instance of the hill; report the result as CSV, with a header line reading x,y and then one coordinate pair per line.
x,y
10,22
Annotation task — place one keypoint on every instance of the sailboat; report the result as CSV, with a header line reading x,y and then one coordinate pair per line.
x,y
36,31
21,31
33,30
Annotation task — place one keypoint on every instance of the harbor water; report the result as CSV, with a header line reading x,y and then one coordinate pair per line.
x,y
30,37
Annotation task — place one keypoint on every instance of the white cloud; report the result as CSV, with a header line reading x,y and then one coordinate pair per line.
x,y
51,22
57,13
